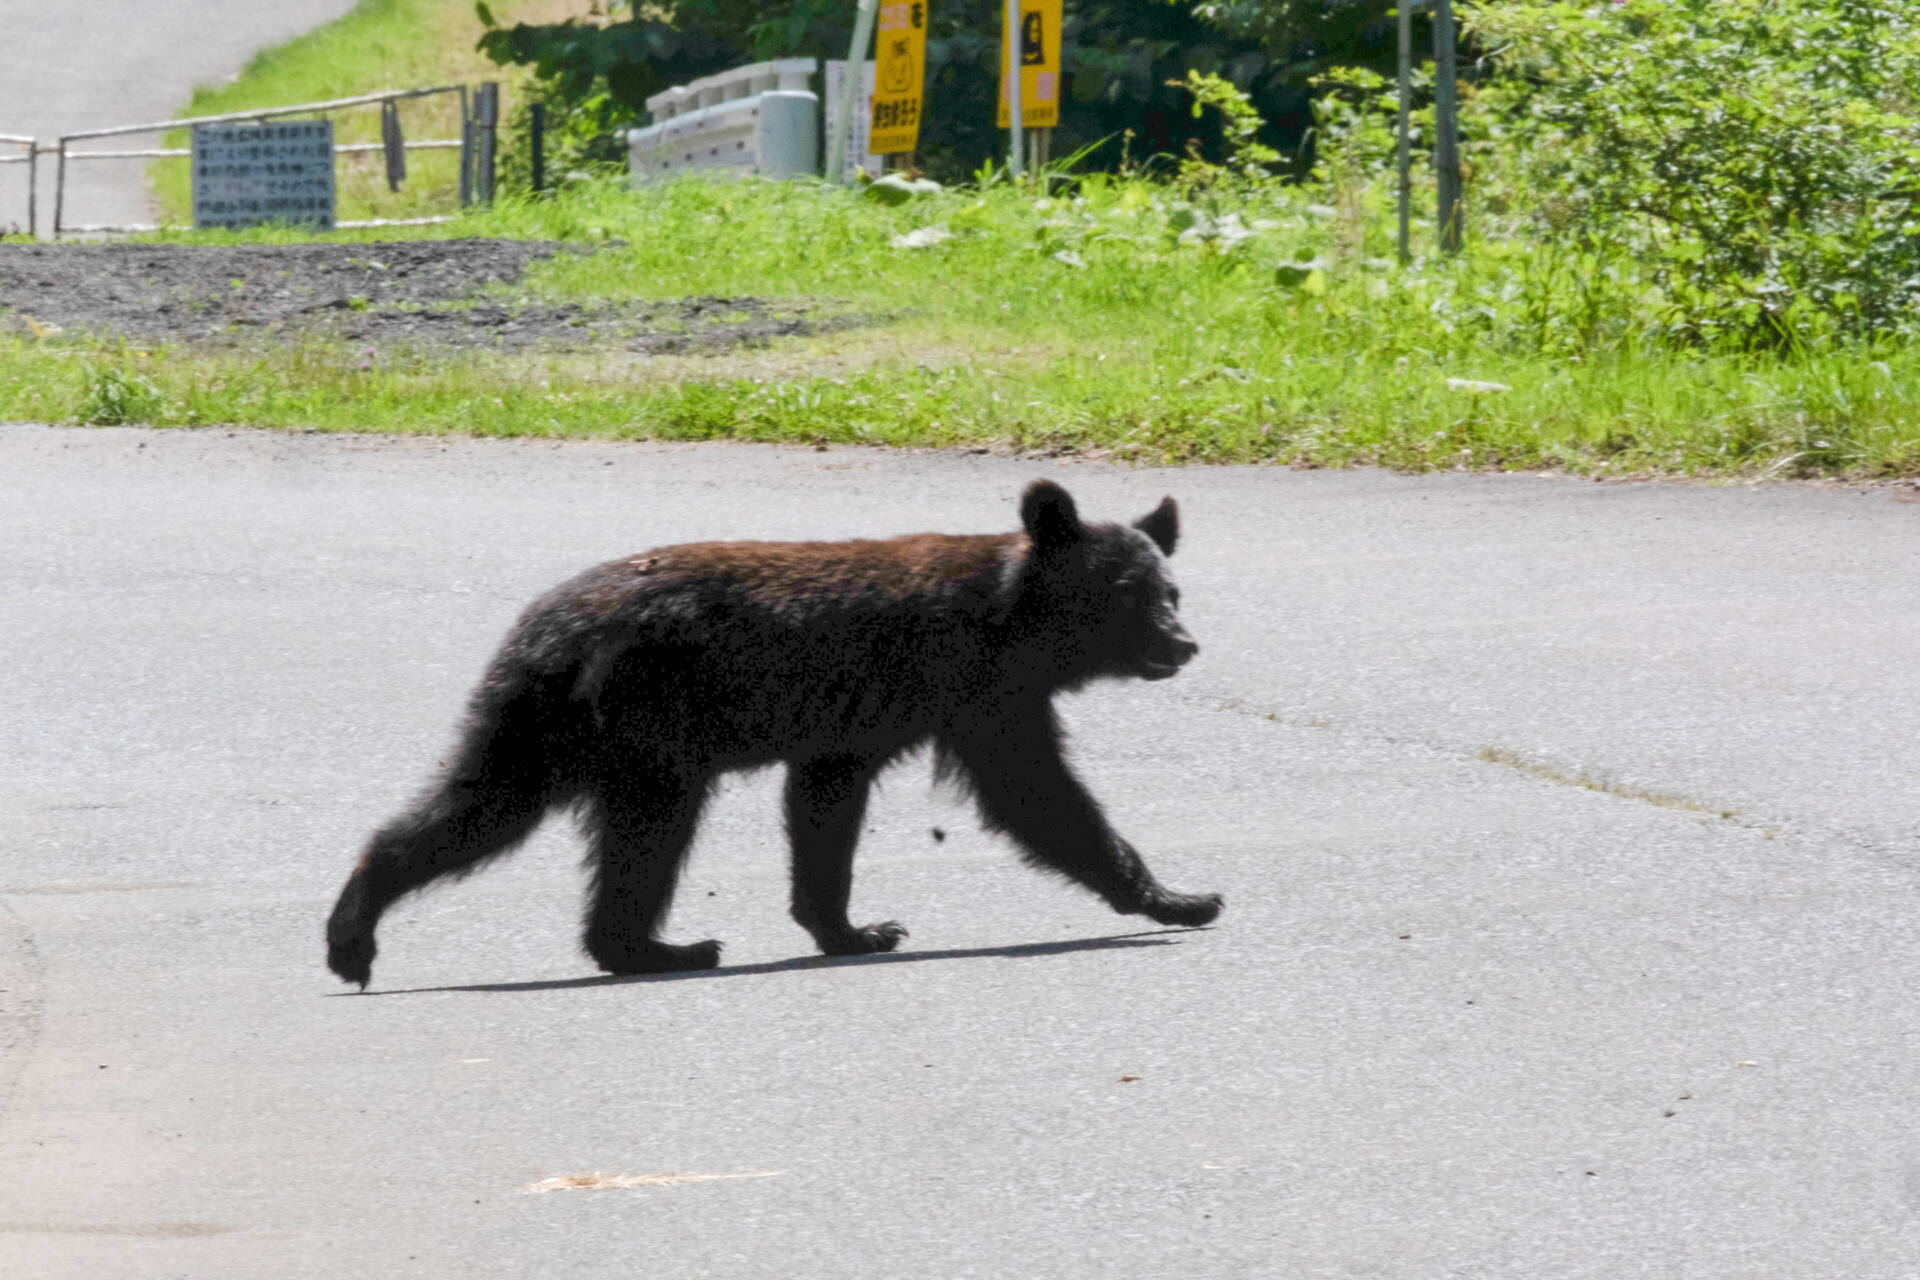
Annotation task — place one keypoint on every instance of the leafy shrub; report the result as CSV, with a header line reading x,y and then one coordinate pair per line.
x,y
1765,154
1245,158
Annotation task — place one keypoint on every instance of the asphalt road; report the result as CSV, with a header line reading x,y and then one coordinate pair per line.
x,y
72,65
1466,1014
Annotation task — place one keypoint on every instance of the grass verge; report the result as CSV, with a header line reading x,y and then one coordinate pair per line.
x,y
1096,324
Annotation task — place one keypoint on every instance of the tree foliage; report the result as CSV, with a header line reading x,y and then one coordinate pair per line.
x,y
1308,36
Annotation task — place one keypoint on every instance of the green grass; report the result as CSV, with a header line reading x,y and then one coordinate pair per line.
x,y
1127,320
1150,349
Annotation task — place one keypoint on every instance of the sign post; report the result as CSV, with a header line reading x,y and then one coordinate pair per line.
x,y
901,58
1404,127
1446,124
1010,118
849,87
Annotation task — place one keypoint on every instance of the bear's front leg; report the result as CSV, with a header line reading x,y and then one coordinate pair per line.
x,y
1149,898
1026,790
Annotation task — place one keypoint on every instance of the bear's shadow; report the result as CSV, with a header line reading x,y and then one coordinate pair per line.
x,y
1015,951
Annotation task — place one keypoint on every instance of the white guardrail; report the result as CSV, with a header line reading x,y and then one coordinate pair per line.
x,y
755,119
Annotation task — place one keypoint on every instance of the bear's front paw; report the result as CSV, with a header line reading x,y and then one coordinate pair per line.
x,y
863,942
1189,909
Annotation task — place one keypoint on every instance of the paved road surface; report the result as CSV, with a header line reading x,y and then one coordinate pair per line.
x,y
67,65
1464,1016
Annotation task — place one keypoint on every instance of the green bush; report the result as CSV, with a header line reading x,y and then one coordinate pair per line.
x,y
1763,156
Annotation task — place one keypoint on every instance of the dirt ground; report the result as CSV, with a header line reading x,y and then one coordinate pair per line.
x,y
399,294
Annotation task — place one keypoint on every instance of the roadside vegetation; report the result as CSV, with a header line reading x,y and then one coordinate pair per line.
x,y
1645,288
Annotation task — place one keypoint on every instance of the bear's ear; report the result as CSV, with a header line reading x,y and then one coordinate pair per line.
x,y
1051,519
1162,524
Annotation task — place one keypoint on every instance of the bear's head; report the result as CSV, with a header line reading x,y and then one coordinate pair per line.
x,y
1100,598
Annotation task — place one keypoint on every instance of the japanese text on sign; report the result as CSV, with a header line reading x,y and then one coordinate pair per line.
x,y
901,57
1039,66
248,174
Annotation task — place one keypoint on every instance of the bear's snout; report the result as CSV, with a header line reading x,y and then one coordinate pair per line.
x,y
1175,651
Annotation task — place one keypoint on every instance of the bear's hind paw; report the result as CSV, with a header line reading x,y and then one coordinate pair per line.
x,y
863,942
658,957
352,959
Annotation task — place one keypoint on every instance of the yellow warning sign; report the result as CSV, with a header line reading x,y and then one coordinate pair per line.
x,y
900,60
1039,66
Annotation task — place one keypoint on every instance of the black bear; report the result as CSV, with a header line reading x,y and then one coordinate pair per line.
x,y
628,690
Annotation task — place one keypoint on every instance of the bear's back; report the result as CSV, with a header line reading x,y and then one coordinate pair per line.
x,y
751,651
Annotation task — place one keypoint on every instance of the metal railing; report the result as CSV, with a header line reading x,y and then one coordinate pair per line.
x,y
475,144
30,151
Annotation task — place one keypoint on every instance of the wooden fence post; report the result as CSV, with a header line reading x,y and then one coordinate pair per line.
x,y
537,133
466,148
486,110
393,144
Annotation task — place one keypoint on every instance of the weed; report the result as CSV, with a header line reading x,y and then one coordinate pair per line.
x,y
116,397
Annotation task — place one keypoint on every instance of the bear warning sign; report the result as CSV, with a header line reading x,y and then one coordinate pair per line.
x,y
1039,66
901,61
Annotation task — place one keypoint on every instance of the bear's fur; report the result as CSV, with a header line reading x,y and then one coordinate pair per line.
x,y
628,690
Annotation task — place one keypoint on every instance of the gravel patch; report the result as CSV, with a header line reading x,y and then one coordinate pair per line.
x,y
423,293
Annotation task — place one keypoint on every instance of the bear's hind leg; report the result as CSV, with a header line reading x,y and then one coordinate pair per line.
x,y
449,832
641,824
825,801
